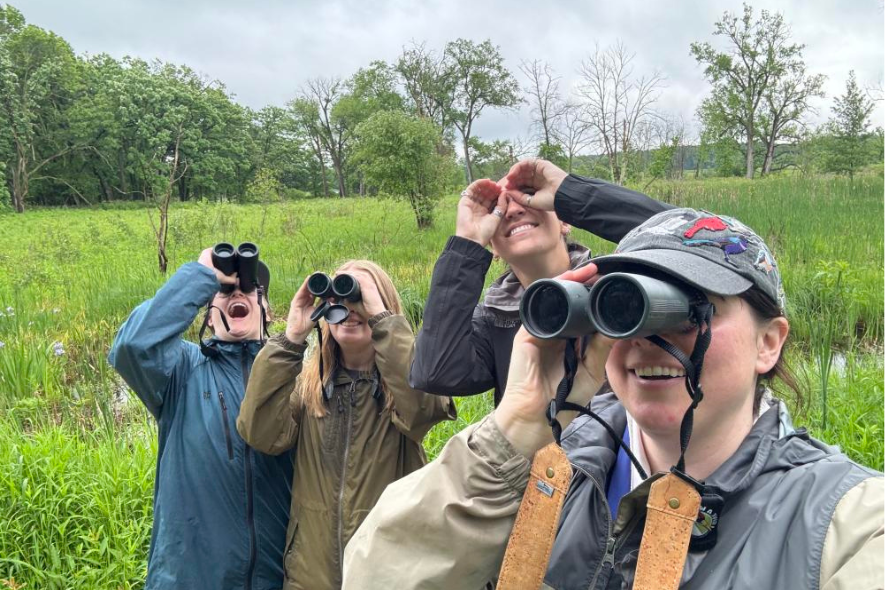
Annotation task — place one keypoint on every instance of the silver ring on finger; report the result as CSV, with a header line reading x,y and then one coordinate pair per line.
x,y
467,194
529,200
498,213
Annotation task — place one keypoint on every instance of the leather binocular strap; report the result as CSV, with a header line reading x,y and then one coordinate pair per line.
x,y
529,547
672,509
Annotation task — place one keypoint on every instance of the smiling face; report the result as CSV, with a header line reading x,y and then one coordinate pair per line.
x,y
526,234
651,383
242,313
354,333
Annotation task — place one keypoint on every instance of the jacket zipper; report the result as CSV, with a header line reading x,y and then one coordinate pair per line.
x,y
344,472
609,555
228,442
250,519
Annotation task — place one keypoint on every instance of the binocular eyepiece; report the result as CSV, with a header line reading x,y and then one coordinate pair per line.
x,y
619,306
242,260
344,286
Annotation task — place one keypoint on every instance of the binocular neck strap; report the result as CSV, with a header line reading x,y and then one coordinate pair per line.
x,y
693,366
570,363
204,347
263,332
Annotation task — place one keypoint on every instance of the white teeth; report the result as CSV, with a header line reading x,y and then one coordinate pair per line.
x,y
657,370
519,229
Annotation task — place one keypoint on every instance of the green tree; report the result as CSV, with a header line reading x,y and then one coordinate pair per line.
x,y
37,85
397,153
480,80
848,148
759,53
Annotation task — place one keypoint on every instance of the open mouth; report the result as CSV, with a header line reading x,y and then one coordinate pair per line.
x,y
520,229
656,372
238,310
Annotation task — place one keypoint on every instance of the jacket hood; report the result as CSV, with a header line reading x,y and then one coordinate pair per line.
x,y
505,292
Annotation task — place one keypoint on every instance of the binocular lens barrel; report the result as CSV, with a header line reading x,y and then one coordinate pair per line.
x,y
625,305
224,258
555,309
619,305
346,287
242,260
247,255
320,285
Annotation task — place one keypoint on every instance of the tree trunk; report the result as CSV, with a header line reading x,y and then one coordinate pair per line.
x,y
19,186
162,259
749,153
323,177
770,156
468,174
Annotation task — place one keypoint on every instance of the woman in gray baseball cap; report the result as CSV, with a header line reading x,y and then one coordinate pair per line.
x,y
778,508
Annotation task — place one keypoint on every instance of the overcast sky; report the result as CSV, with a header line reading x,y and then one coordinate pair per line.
x,y
264,51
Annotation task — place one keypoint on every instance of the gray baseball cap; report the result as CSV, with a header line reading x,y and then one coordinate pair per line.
x,y
715,253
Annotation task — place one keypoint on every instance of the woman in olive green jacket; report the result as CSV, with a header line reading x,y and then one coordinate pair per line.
x,y
354,433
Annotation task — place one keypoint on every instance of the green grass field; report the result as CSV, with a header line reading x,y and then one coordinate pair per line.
x,y
77,457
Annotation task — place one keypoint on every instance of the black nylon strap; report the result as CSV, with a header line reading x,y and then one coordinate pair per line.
x,y
570,363
205,348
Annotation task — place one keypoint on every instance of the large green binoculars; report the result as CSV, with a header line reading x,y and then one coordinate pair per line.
x,y
344,287
618,305
243,261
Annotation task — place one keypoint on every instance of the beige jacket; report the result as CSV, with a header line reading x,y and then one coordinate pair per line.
x,y
447,525
343,461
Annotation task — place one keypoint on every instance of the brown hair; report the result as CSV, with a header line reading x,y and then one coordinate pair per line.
x,y
764,310
309,388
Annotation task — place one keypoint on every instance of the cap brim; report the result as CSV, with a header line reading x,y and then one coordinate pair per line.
x,y
694,270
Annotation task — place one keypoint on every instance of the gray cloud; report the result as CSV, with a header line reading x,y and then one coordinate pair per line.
x,y
264,51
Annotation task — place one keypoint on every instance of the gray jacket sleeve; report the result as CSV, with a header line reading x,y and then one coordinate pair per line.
x,y
453,354
447,525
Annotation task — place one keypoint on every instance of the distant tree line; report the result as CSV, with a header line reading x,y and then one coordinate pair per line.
x,y
87,129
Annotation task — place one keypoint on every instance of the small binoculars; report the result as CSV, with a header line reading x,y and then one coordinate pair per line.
x,y
619,306
344,287
243,261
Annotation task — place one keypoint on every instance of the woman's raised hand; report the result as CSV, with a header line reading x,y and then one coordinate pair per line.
x,y
480,210
370,302
533,183
298,322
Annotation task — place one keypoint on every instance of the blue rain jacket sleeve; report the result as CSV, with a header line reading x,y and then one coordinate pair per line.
x,y
148,351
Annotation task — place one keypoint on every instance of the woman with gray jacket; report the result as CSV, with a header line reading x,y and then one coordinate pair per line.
x,y
778,509
463,347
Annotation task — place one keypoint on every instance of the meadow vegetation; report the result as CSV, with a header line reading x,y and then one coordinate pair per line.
x,y
77,450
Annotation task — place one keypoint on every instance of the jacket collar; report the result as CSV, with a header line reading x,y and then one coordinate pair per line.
x,y
772,445
235,347
505,292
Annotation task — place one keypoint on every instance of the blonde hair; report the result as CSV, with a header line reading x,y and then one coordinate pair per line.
x,y
309,388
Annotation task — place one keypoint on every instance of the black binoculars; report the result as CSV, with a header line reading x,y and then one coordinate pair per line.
x,y
619,306
344,287
243,261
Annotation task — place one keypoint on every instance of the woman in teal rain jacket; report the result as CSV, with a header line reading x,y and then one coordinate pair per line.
x,y
220,507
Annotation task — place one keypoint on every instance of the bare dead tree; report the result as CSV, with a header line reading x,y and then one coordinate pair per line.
x,y
335,135
616,102
543,96
176,168
573,131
